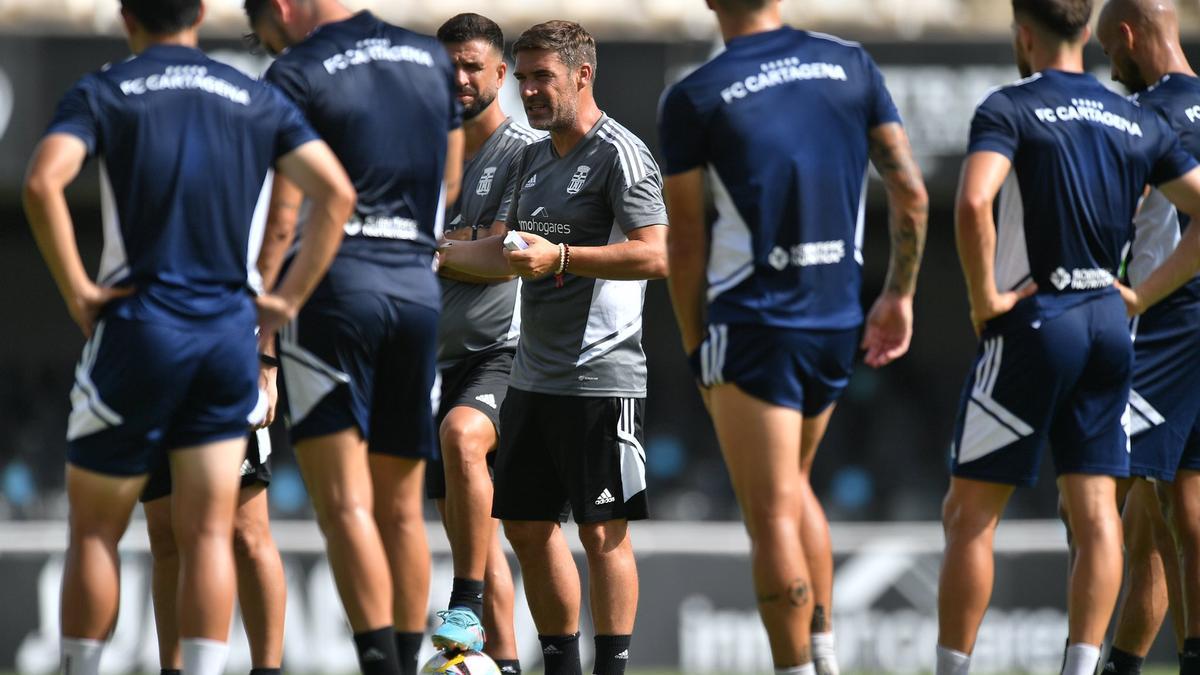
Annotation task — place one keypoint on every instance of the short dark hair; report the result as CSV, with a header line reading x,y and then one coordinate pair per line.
x,y
254,9
742,5
467,26
1064,18
163,17
573,44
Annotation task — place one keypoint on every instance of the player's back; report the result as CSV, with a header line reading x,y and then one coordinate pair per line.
x,y
1081,157
781,119
185,146
381,96
1159,224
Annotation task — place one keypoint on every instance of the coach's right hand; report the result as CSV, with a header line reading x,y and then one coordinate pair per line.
x,y
87,302
1000,303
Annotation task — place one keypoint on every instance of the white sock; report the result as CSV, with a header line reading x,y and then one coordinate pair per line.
x,y
824,654
1082,660
806,669
950,662
203,657
81,657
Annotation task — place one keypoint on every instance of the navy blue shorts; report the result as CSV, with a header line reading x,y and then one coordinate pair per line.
x,y
142,389
365,361
806,370
1061,377
1165,402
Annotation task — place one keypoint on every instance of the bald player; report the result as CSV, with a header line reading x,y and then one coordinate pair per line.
x,y
1068,161
1141,37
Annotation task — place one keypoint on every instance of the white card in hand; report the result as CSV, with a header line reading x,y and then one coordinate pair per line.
x,y
514,242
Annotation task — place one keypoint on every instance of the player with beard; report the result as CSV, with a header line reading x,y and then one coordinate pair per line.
x,y
360,361
476,343
1141,37
588,204
1069,160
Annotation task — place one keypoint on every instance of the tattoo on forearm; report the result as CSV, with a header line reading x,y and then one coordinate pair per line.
x,y
796,594
909,212
820,623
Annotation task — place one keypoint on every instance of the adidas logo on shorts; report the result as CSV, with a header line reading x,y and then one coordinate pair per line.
x,y
247,468
487,399
605,498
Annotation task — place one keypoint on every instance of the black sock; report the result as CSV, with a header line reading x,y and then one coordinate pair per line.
x,y
612,654
407,647
560,654
265,671
1122,662
376,652
170,671
1189,660
467,594
509,667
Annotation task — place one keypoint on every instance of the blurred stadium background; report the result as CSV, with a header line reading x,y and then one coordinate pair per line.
x,y
882,469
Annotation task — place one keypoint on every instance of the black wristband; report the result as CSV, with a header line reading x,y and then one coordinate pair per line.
x,y
269,361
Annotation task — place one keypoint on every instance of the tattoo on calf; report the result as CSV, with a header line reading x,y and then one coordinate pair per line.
x,y
819,623
796,594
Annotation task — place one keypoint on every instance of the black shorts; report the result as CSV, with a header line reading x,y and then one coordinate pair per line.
x,y
577,450
480,383
256,470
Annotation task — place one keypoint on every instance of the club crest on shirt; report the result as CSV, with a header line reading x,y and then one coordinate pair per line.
x,y
485,182
577,181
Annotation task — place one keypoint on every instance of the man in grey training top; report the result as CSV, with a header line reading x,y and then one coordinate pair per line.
x,y
590,212
476,343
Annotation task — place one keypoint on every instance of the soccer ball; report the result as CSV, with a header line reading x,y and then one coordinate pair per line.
x,y
461,663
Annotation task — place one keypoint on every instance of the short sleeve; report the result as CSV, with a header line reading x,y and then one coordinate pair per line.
x,y
75,115
994,126
1171,160
881,109
455,108
289,81
681,132
636,193
510,188
293,130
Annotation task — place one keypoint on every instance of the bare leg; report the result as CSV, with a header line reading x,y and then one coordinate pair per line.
x,y
100,507
338,477
399,494
814,531
203,505
612,576
970,514
761,445
467,436
1145,600
164,580
543,553
262,588
1096,577
498,605
1185,519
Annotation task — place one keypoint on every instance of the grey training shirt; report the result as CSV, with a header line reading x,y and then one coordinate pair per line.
x,y
479,317
585,339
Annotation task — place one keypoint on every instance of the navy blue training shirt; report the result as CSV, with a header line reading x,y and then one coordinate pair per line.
x,y
1082,156
186,146
1159,225
781,121
383,98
